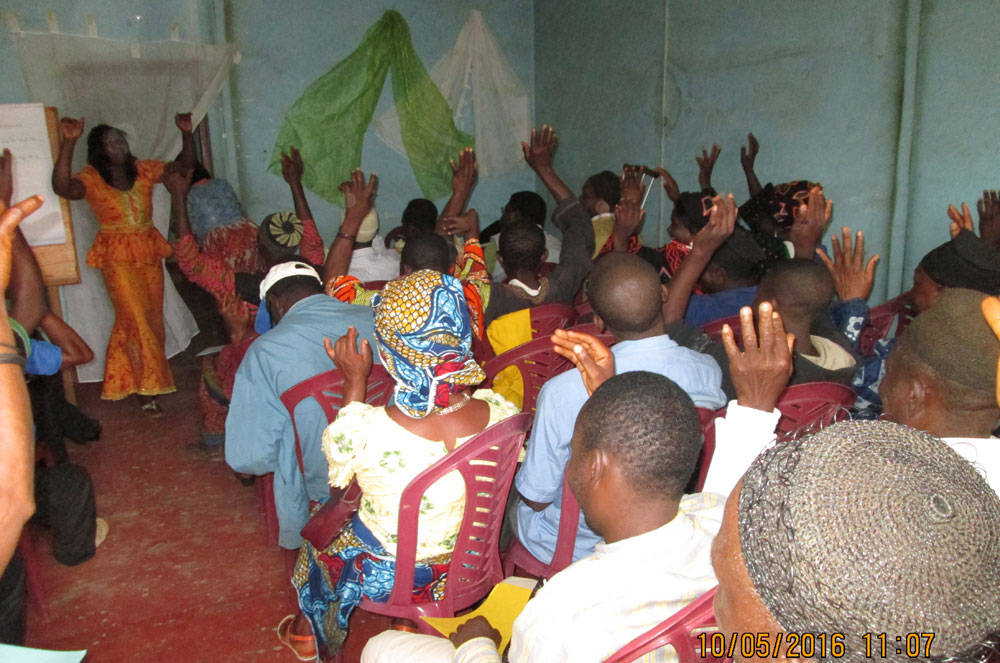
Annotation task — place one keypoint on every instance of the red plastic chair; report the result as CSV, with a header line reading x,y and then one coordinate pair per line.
x,y
713,329
375,285
679,631
518,557
590,328
898,311
328,390
536,361
487,463
584,311
806,408
30,554
547,318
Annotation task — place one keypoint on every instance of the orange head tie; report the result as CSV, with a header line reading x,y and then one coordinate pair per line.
x,y
991,309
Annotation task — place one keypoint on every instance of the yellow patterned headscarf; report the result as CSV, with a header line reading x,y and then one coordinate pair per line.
x,y
424,339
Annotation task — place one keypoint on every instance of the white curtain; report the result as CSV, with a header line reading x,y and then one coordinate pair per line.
x,y
485,96
137,87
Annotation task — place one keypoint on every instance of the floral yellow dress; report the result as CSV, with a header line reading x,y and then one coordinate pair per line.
x,y
129,251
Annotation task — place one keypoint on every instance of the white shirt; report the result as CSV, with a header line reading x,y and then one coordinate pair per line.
x,y
375,262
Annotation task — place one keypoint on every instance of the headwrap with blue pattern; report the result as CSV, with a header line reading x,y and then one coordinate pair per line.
x,y
424,339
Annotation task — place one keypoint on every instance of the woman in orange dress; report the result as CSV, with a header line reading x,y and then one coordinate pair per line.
x,y
128,250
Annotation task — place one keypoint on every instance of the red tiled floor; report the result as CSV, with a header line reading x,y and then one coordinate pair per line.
x,y
185,573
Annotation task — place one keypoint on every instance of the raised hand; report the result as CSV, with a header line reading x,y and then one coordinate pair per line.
x,y
9,220
359,196
183,122
989,218
962,220
6,179
669,184
291,166
748,153
71,128
809,221
465,173
177,178
628,219
761,371
477,627
720,226
853,278
466,224
630,184
706,164
593,359
538,152
355,365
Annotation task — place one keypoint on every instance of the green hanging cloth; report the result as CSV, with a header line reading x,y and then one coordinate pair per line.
x,y
328,122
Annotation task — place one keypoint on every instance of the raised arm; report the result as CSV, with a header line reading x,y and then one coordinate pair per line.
x,y
628,214
706,164
538,154
358,200
291,170
75,350
63,182
748,155
26,288
853,278
720,226
669,185
356,366
464,175
809,222
188,158
17,448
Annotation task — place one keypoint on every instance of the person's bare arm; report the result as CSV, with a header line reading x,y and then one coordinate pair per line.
x,y
809,222
355,365
17,447
538,155
75,351
706,164
628,212
177,181
463,181
720,226
748,155
669,185
853,278
63,182
26,288
187,157
291,170
358,200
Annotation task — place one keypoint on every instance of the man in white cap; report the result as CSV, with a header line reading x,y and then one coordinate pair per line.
x,y
259,435
370,260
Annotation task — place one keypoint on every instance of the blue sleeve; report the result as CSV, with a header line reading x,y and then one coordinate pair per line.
x,y
255,425
541,475
850,317
45,358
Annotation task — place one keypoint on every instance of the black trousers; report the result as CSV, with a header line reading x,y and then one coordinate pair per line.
x,y
64,502
13,602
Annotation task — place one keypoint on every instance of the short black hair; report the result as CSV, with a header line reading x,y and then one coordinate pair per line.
x,y
98,157
804,286
426,250
606,187
421,214
522,245
529,206
741,256
650,425
625,291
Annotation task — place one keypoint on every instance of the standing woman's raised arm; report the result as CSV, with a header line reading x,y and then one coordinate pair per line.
x,y
63,182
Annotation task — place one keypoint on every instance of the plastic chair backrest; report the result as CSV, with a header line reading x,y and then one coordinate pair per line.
x,y
584,311
678,631
713,329
328,390
536,361
569,524
547,318
487,463
590,328
881,319
808,407
706,418
374,285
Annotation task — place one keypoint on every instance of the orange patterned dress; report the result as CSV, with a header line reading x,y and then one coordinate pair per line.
x,y
129,251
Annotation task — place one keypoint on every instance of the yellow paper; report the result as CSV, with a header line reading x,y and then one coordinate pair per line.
x,y
500,608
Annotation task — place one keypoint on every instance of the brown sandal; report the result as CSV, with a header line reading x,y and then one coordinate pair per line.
x,y
303,646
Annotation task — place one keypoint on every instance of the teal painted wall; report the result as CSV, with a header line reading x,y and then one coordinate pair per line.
x,y
820,84
284,51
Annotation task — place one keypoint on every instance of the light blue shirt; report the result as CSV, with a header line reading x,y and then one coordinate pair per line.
x,y
259,435
540,478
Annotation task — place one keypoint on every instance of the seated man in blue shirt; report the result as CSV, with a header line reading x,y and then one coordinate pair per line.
x,y
259,435
626,295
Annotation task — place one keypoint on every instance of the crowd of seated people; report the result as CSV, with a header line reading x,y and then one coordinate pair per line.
x,y
622,420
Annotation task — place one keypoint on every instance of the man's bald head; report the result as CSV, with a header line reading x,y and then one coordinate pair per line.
x,y
625,292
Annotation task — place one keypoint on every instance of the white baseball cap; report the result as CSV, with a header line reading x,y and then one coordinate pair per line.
x,y
283,270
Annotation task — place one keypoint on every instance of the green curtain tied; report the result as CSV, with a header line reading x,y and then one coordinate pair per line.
x,y
328,122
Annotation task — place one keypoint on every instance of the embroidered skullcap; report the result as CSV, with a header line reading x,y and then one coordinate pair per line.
x,y
874,527
424,338
282,230
776,201
964,262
